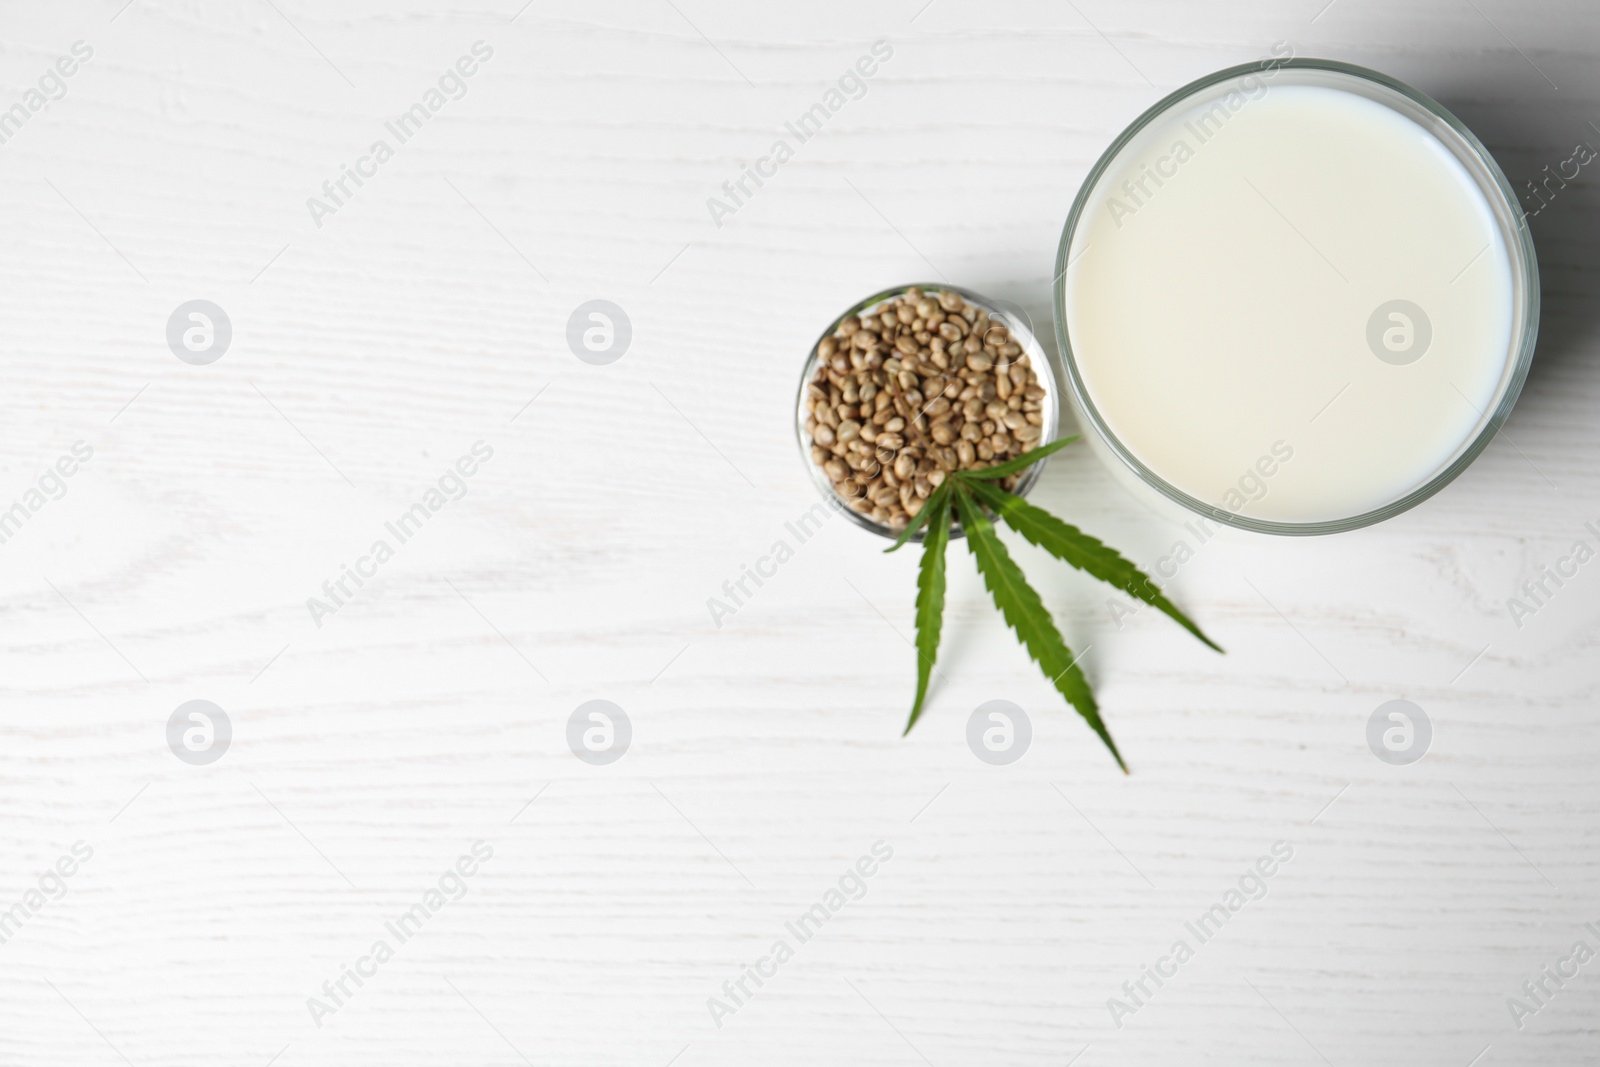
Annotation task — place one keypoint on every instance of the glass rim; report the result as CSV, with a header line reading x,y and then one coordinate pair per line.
x,y
1046,368
1519,246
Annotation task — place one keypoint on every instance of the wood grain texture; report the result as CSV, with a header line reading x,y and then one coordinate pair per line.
x,y
368,753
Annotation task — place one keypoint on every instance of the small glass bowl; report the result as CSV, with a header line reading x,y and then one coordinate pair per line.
x,y
1013,318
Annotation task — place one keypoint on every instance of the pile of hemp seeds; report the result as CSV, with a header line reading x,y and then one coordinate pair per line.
x,y
921,384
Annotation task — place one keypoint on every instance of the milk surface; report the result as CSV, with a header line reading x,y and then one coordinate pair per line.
x,y
1290,301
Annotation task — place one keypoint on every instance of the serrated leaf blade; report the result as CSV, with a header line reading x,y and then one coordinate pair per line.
x,y
1025,613
1088,554
920,517
1020,463
930,593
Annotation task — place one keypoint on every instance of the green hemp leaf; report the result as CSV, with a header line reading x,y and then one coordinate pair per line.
x,y
970,498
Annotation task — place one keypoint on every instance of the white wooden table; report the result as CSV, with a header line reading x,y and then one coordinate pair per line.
x,y
429,710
